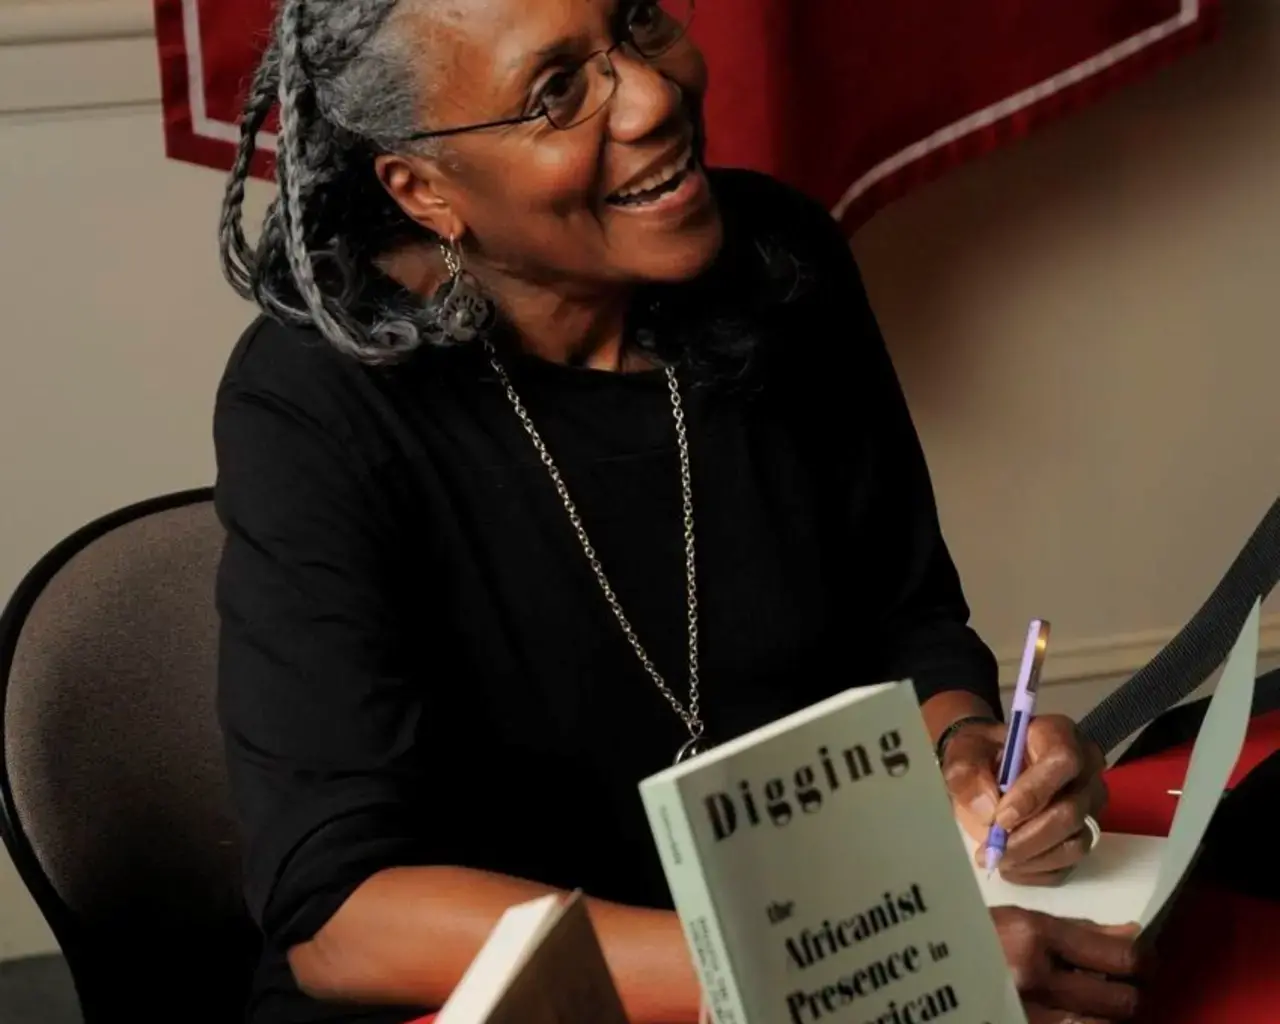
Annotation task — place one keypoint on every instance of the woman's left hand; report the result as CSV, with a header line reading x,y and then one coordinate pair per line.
x,y
1044,811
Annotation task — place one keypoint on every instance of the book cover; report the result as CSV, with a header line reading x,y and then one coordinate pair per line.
x,y
817,871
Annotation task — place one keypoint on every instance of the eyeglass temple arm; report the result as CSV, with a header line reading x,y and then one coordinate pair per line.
x,y
505,122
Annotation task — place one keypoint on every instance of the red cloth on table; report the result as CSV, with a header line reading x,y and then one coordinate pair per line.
x,y
1219,959
1140,801
855,102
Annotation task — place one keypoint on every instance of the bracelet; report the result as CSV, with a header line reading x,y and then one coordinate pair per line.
x,y
940,748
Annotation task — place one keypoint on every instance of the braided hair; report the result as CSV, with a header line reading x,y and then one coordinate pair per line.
x,y
347,90
347,85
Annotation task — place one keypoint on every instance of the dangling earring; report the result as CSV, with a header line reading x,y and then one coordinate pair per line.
x,y
463,311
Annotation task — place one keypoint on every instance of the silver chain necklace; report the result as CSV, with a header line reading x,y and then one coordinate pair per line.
x,y
690,715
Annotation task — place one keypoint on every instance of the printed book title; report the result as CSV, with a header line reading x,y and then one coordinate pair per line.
x,y
805,790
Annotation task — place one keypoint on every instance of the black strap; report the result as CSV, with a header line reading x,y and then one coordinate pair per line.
x,y
1199,648
1182,724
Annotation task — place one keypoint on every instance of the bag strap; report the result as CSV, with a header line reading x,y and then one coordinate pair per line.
x,y
1200,646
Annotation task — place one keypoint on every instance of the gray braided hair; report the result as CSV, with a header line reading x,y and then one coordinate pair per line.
x,y
347,89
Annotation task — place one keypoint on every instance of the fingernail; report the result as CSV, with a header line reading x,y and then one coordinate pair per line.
x,y
1008,818
983,808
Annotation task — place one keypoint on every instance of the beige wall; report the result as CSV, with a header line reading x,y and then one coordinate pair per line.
x,y
1085,325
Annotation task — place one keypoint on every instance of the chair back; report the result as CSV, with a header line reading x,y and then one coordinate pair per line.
x,y
114,802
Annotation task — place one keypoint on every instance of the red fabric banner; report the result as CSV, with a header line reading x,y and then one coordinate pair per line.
x,y
853,101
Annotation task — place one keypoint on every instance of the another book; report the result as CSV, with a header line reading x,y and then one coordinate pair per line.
x,y
1136,878
1115,884
815,867
541,964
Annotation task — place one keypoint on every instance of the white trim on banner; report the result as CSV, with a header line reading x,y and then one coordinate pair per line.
x,y
1188,15
201,122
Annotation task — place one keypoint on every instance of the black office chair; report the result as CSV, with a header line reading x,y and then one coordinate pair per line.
x,y
113,795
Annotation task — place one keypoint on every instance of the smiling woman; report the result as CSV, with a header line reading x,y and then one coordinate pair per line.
x,y
507,93
554,455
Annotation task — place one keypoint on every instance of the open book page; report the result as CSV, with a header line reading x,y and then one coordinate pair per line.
x,y
1113,885
1214,756
1132,878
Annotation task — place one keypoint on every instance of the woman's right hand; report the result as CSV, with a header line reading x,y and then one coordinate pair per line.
x,y
1067,971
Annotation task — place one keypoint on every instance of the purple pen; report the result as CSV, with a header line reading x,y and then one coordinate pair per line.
x,y
1021,712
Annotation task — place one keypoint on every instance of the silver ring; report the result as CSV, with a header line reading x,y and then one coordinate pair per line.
x,y
1095,831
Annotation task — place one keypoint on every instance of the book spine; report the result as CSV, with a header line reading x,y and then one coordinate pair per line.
x,y
694,902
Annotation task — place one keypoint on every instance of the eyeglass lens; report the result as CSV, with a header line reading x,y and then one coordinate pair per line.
x,y
653,27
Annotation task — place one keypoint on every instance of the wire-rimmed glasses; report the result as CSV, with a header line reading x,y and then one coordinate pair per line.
x,y
577,93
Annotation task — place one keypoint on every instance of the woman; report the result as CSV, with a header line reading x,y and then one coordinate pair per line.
x,y
556,454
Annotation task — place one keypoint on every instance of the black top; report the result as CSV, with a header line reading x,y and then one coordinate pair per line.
x,y
417,663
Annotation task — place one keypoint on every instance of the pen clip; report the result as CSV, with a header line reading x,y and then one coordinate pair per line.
x,y
1033,656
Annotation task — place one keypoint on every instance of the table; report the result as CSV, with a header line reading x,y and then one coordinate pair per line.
x,y
1219,955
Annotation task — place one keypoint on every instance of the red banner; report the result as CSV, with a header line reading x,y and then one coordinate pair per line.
x,y
853,101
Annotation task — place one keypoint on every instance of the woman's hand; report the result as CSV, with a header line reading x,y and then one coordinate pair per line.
x,y
1067,971
1044,811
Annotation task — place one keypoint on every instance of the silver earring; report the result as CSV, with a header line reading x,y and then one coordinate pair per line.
x,y
451,260
464,312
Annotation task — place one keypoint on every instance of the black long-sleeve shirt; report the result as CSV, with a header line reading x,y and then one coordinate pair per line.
x,y
417,663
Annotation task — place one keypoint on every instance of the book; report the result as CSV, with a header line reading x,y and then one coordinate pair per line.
x,y
815,869
1113,885
1131,878
541,964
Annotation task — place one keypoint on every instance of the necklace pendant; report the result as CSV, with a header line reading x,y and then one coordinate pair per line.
x,y
692,748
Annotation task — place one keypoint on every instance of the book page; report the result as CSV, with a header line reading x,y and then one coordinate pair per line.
x,y
1213,758
1114,884
1131,878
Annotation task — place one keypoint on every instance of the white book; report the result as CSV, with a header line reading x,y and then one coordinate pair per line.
x,y
815,868
541,964
1133,878
1115,884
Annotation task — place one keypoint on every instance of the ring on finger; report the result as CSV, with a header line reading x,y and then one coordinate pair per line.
x,y
1095,832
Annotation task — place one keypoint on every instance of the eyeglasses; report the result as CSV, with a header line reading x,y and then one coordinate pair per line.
x,y
576,94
